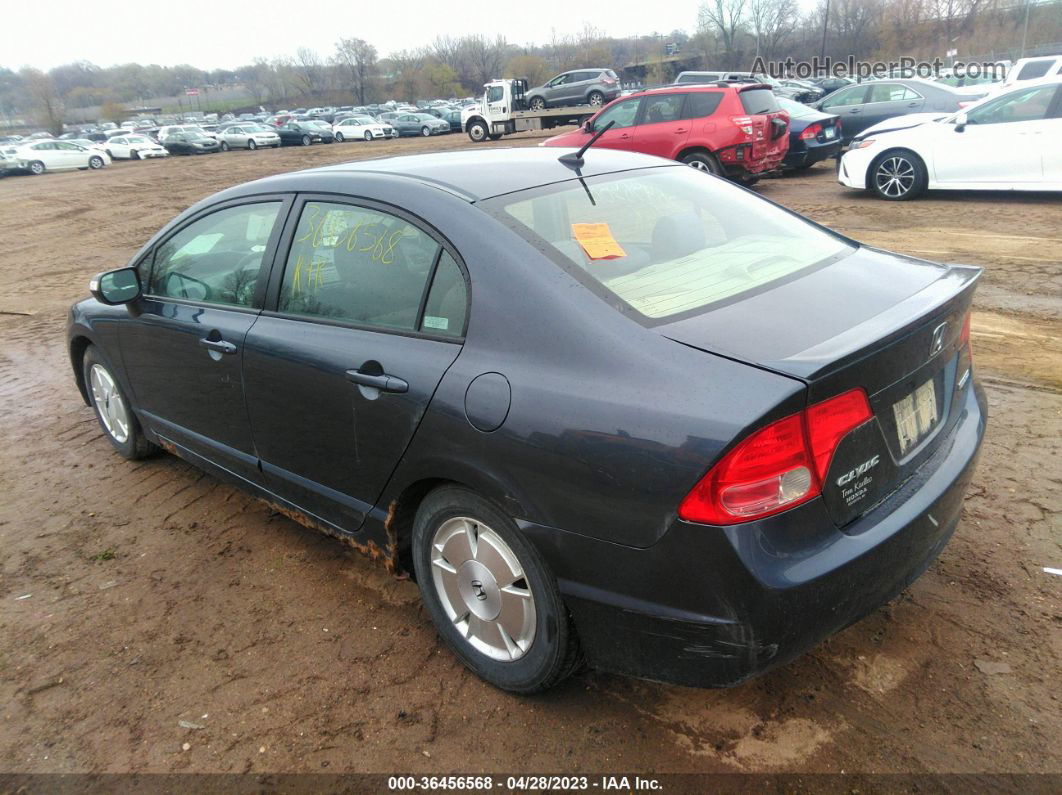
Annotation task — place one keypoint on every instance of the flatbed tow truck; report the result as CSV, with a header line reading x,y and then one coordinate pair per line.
x,y
502,110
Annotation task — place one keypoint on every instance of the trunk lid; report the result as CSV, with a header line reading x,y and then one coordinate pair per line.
x,y
888,324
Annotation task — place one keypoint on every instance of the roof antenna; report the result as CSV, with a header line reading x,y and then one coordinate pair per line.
x,y
575,160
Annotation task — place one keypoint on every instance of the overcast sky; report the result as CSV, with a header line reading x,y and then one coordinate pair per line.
x,y
229,34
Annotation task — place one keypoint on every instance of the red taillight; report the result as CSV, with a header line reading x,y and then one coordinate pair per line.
x,y
964,335
778,467
743,123
811,131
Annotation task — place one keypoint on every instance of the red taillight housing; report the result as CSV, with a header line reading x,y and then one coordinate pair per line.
x,y
811,131
964,335
777,467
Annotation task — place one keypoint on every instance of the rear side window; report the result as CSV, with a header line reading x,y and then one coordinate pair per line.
x,y
1035,69
359,265
666,107
759,100
447,304
702,103
890,92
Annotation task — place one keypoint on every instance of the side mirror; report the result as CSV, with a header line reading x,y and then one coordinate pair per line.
x,y
588,126
116,287
960,122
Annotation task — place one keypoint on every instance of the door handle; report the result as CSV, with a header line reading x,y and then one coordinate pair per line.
x,y
383,382
680,132
912,104
854,110
219,346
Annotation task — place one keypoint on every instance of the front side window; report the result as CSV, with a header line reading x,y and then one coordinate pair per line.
x,y
665,242
1030,104
843,99
667,107
217,259
359,265
622,113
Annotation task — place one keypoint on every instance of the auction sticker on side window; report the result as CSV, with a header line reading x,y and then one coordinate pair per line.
x,y
916,415
597,241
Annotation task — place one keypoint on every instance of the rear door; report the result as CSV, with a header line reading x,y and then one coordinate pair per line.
x,y
367,313
848,103
663,128
183,346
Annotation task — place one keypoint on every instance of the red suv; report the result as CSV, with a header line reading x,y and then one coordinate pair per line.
x,y
732,129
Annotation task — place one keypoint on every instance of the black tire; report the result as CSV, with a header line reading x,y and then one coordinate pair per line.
x,y
96,162
897,175
478,131
536,103
306,140
224,146
339,137
109,154
495,136
425,131
704,161
134,155
251,145
595,99
135,445
368,135
36,167
552,655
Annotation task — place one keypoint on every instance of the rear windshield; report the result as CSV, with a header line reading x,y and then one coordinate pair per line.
x,y
759,100
666,242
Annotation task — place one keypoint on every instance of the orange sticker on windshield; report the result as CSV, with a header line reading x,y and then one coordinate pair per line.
x,y
597,241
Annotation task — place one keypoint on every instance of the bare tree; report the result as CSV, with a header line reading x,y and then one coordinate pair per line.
x,y
483,59
772,22
725,18
308,70
359,59
44,98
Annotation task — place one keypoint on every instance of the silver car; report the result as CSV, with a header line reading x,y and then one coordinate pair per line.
x,y
579,87
247,136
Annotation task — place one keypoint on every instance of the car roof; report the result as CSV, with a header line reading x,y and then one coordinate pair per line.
x,y
473,174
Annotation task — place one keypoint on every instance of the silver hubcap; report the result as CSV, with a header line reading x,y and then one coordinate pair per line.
x,y
482,588
699,165
109,403
895,176
596,99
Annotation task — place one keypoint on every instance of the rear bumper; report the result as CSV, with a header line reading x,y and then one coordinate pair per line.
x,y
809,155
711,607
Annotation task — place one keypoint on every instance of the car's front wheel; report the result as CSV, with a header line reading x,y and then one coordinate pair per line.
x,y
251,145
306,140
95,162
490,595
115,416
224,146
898,175
425,131
368,135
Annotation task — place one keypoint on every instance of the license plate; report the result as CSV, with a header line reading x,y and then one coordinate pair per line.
x,y
830,132
916,415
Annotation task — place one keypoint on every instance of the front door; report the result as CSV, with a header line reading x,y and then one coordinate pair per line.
x,y
369,314
621,135
1003,141
663,128
183,346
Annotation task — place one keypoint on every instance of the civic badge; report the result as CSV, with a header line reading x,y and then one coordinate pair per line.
x,y
937,345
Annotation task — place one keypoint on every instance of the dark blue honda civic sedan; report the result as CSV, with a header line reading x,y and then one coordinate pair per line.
x,y
608,409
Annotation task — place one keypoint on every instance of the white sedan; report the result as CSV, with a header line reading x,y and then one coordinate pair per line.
x,y
134,147
362,128
249,135
1008,141
41,156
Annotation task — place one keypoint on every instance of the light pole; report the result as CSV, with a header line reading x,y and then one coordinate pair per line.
x,y
825,24
1025,28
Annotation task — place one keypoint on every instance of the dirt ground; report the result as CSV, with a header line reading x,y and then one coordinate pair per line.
x,y
136,596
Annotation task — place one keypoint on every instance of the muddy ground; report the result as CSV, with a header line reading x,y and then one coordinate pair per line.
x,y
134,596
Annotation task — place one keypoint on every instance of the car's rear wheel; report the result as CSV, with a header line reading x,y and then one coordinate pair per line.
x,y
306,140
95,162
113,412
537,103
704,161
224,146
478,131
596,99
490,595
339,137
251,144
898,175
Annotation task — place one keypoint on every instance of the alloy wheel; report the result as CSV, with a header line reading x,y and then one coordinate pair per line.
x,y
482,588
895,176
109,404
